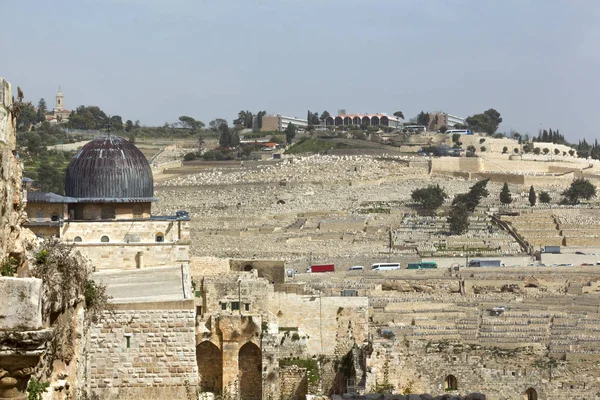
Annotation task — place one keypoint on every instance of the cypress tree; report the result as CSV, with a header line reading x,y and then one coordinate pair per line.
x,y
532,196
505,196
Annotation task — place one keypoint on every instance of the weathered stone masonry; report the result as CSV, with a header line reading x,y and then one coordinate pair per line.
x,y
143,354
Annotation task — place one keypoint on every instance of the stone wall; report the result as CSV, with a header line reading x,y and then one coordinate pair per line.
x,y
12,199
294,383
143,353
131,231
127,256
321,318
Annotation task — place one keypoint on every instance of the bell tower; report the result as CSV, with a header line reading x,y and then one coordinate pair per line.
x,y
60,101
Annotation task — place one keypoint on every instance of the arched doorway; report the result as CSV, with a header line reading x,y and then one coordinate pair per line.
x,y
531,394
450,383
250,367
210,367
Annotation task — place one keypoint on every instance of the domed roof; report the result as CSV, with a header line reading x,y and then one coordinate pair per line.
x,y
109,169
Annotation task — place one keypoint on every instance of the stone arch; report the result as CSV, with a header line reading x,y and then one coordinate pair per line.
x,y
210,367
159,237
77,239
329,121
347,120
375,120
531,394
248,268
366,121
250,370
339,121
356,121
385,121
105,239
451,383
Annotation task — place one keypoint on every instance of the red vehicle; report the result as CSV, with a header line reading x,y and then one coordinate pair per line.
x,y
321,268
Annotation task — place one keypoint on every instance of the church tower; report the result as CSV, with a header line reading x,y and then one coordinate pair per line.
x,y
60,101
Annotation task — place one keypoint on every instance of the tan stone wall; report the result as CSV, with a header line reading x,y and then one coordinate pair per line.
x,y
93,211
126,256
457,164
270,123
319,318
159,363
38,212
294,383
132,231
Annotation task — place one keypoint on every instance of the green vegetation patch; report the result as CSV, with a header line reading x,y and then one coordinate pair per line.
x,y
312,145
311,366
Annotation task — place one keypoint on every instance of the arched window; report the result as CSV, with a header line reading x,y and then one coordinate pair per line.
x,y
138,212
450,383
108,213
159,237
531,394
77,239
105,239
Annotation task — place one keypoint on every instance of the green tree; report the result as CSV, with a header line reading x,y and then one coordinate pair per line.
x,y
235,139
128,125
505,196
455,137
443,128
429,198
244,119
537,151
324,115
458,218
399,114
472,199
215,124
504,150
580,189
116,123
545,197
42,110
423,118
224,136
533,196
190,123
487,122
26,117
259,117
290,133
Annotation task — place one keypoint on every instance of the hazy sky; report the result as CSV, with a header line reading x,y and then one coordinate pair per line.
x,y
536,62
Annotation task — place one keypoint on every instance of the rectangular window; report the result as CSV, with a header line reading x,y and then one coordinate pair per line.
x,y
223,306
247,306
198,310
235,305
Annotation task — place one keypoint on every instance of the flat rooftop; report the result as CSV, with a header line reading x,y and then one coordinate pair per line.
x,y
156,284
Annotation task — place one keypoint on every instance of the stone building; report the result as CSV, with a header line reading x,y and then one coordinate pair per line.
x,y
107,210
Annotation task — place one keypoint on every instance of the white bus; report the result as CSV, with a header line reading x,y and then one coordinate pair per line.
x,y
385,266
459,131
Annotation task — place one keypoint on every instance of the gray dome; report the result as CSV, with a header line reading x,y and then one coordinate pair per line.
x,y
109,169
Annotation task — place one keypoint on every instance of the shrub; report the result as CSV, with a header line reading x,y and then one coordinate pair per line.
x,y
190,156
516,151
504,150
482,148
482,140
556,151
8,267
544,197
537,151
546,150
36,389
